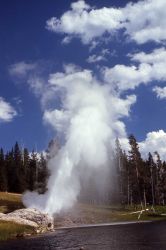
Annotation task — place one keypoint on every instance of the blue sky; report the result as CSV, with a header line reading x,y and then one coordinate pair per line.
x,y
121,42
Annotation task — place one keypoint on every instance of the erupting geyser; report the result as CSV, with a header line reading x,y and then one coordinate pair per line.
x,y
88,120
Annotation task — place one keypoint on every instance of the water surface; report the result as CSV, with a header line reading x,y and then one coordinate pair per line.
x,y
139,236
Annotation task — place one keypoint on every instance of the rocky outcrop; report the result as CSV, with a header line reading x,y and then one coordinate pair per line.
x,y
40,221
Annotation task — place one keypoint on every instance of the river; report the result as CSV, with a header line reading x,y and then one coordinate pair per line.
x,y
136,236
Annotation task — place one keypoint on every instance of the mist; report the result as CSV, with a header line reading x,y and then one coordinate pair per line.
x,y
89,118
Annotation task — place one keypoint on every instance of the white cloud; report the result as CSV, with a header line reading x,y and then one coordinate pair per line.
x,y
155,141
156,56
30,72
123,77
33,75
151,68
37,84
79,6
142,21
48,90
93,45
66,40
21,69
7,112
160,92
97,58
86,23
146,21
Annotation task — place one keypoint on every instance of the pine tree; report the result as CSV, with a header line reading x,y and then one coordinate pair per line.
x,y
159,172
43,174
33,172
3,173
163,183
125,174
119,171
136,166
26,162
11,170
150,184
20,184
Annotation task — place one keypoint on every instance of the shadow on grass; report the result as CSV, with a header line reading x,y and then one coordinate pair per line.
x,y
9,206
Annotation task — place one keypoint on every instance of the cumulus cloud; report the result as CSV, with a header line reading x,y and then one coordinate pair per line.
x,y
146,21
7,112
142,21
79,6
85,22
156,56
155,141
160,92
122,77
151,67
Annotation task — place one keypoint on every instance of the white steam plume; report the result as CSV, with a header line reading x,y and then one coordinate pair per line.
x,y
89,122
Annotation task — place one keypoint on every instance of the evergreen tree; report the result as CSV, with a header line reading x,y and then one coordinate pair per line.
x,y
33,172
150,183
11,170
125,175
163,183
43,174
118,171
26,162
3,173
136,167
20,184
159,179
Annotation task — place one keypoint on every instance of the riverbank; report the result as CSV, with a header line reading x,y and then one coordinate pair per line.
x,y
149,236
81,214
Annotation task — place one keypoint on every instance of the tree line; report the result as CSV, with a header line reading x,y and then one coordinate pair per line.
x,y
21,170
140,181
133,180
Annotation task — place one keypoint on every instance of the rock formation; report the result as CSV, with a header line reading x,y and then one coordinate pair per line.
x,y
41,222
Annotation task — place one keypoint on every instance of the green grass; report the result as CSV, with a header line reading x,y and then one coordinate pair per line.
x,y
127,213
10,230
8,203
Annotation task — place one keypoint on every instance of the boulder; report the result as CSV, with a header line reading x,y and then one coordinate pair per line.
x,y
41,222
